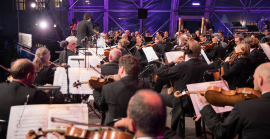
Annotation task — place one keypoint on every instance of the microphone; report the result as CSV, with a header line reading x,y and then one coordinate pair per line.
x,y
53,88
64,44
84,40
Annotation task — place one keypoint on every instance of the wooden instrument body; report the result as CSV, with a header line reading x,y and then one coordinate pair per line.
x,y
97,83
77,133
209,46
218,97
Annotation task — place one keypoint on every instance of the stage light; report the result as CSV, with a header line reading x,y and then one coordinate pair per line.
x,y
33,5
43,24
196,4
54,25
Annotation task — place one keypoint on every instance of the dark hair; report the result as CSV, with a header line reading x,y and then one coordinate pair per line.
x,y
149,118
220,31
97,29
204,35
131,65
268,30
20,70
87,16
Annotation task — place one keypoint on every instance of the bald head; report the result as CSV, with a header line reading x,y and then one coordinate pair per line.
x,y
148,111
115,54
262,77
21,67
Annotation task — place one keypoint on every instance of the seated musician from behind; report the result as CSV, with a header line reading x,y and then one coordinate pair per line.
x,y
217,52
183,73
250,118
18,91
238,72
112,68
146,117
122,46
159,48
118,93
71,50
45,73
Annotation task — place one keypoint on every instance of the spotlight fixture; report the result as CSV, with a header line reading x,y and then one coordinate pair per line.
x,y
43,24
196,4
33,5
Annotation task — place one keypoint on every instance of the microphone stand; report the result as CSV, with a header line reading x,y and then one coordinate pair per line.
x,y
66,67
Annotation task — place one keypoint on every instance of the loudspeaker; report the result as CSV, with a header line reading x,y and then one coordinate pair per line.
x,y
142,13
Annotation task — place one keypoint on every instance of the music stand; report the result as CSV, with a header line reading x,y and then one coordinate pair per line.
x,y
252,28
235,24
148,39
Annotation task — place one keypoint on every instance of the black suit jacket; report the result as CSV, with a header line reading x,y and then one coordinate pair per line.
x,y
249,119
256,58
239,72
15,93
217,52
62,56
84,29
109,69
184,73
117,95
45,76
160,50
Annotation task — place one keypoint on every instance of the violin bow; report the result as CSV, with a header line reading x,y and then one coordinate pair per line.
x,y
96,70
97,54
224,81
7,69
38,56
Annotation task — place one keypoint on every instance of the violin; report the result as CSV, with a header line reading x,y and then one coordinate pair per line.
x,y
209,46
95,82
202,42
152,45
218,97
232,57
77,133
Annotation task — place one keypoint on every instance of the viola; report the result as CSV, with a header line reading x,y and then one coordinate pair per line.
x,y
152,45
218,97
77,133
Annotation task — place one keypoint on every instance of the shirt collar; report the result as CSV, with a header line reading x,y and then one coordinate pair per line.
x,y
265,92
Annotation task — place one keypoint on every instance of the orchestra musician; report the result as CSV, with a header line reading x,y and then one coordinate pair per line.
x,y
159,33
84,29
128,35
71,50
166,38
19,91
183,73
73,27
204,40
147,34
267,36
238,72
248,119
122,46
239,39
221,33
45,71
197,33
181,43
137,33
112,67
217,53
117,94
146,117
210,27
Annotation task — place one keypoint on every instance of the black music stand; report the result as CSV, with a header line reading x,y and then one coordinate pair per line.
x,y
236,24
252,28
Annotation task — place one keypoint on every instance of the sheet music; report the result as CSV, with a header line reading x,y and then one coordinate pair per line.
x,y
203,86
266,49
85,76
205,56
75,74
39,116
99,51
71,112
33,117
90,60
150,54
171,56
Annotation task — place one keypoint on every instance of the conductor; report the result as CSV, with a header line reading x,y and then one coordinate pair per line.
x,y
84,29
